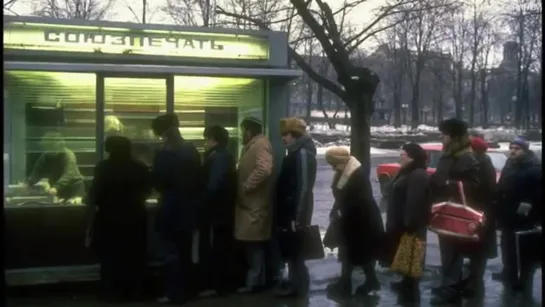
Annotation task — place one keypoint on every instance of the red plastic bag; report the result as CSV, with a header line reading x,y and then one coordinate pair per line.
x,y
457,220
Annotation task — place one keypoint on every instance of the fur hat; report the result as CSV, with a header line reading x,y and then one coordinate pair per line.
x,y
453,127
521,142
337,155
293,124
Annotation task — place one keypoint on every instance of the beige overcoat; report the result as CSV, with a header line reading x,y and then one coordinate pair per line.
x,y
253,209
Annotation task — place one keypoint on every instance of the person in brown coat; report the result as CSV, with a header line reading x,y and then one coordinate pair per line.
x,y
253,220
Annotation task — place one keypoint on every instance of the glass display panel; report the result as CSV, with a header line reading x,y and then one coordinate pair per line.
x,y
130,106
203,101
49,137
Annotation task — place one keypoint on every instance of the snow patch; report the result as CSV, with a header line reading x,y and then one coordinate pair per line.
x,y
374,151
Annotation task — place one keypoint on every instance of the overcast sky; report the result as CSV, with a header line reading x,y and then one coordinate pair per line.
x,y
362,15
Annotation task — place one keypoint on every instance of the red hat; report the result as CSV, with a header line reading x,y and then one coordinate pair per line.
x,y
478,144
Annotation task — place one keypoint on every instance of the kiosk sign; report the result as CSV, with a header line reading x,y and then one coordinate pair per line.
x,y
67,38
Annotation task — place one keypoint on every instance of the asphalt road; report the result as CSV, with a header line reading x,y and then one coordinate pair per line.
x,y
326,271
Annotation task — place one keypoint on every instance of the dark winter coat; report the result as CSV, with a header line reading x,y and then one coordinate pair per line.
x,y
485,201
295,199
219,196
408,207
177,176
118,195
457,163
520,182
360,222
61,170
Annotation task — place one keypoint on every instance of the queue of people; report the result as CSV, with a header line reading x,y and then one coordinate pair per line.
x,y
223,221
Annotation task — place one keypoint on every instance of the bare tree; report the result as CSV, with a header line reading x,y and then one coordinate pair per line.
x,y
190,12
356,84
142,17
7,6
419,35
390,56
73,9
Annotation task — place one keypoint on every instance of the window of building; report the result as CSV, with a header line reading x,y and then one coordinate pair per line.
x,y
203,101
49,136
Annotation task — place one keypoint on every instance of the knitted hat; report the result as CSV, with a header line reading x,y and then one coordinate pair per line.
x,y
521,142
478,144
337,155
453,127
293,124
417,153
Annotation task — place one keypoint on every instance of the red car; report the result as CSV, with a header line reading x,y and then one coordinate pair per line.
x,y
387,171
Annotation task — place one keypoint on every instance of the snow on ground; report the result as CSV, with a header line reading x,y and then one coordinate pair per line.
x,y
489,133
374,151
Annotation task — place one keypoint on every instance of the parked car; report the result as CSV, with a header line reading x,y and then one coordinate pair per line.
x,y
387,171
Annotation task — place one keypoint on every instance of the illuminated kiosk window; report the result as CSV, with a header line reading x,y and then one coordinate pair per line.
x,y
130,106
203,101
46,102
108,40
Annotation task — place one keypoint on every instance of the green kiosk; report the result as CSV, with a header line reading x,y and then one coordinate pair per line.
x,y
72,83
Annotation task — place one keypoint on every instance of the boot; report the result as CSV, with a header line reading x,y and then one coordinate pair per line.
x,y
371,282
473,288
407,284
340,288
370,285
447,295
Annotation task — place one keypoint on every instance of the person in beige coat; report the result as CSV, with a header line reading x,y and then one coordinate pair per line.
x,y
253,212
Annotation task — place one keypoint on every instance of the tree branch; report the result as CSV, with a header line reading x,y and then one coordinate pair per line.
x,y
311,72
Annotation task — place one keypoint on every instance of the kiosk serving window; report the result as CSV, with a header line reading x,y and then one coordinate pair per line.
x,y
205,101
50,133
130,106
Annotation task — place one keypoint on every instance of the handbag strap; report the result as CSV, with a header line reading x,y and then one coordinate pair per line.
x,y
460,186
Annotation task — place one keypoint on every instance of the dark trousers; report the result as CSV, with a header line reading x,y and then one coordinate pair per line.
x,y
529,258
255,257
121,278
368,269
452,262
217,244
180,269
298,274
274,262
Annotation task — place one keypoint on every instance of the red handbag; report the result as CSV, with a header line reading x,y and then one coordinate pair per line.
x,y
456,220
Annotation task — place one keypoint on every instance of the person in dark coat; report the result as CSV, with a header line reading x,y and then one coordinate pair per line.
x,y
360,223
408,206
486,248
520,209
178,179
295,199
117,198
457,163
218,201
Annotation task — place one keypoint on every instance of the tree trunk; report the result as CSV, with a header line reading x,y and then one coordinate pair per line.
x,y
360,128
397,102
458,89
484,99
472,94
309,99
415,101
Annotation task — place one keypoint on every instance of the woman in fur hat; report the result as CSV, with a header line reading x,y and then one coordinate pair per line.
x,y
456,164
361,227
